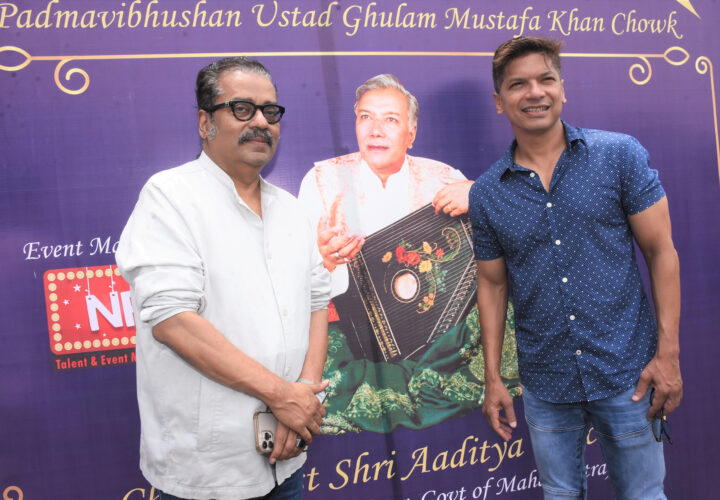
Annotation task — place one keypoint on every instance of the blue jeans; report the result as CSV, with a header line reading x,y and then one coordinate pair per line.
x,y
290,489
559,432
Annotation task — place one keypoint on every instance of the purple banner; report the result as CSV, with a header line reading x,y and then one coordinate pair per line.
x,y
99,95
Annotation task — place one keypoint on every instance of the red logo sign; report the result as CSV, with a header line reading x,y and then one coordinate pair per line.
x,y
90,317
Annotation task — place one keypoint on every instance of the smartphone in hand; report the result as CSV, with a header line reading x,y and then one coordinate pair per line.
x,y
266,425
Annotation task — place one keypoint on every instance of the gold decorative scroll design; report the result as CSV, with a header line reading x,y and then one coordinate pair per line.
x,y
11,491
639,73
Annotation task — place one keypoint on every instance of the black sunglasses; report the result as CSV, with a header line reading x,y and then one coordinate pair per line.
x,y
660,426
245,110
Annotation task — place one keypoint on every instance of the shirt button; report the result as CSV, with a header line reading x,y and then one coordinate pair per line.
x,y
557,242
572,317
578,352
532,174
564,280
549,205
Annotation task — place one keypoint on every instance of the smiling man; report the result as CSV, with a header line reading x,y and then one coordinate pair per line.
x,y
553,226
230,298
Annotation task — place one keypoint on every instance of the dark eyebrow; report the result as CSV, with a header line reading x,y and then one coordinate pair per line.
x,y
522,79
515,79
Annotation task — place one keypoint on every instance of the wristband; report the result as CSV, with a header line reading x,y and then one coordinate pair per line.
x,y
320,395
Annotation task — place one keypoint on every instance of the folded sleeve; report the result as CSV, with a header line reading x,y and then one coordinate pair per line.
x,y
158,256
641,186
320,279
485,242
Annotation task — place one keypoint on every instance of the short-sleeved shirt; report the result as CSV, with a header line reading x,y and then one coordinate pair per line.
x,y
584,325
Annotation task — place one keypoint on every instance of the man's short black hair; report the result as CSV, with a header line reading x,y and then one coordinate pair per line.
x,y
519,47
207,86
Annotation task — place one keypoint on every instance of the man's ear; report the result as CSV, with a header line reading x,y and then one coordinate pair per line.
x,y
498,103
206,127
413,133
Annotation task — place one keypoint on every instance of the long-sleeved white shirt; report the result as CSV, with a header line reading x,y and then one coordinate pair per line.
x,y
192,244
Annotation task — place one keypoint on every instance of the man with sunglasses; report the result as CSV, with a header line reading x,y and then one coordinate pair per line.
x,y
230,298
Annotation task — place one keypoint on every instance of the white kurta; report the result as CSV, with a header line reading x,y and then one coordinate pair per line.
x,y
192,244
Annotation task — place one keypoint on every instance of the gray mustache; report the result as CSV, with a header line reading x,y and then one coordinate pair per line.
x,y
256,133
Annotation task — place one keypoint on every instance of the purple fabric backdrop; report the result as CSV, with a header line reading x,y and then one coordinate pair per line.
x,y
75,154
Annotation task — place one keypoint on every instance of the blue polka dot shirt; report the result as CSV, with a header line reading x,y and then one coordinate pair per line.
x,y
584,326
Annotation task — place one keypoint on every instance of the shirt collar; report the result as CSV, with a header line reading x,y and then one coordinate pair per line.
x,y
370,177
573,135
267,190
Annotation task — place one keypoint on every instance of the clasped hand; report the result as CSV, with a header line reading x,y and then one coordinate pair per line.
x,y
299,414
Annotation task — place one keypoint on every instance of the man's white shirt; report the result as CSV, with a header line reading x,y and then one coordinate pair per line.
x,y
192,244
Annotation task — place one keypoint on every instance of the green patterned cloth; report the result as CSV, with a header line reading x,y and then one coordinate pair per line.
x,y
446,381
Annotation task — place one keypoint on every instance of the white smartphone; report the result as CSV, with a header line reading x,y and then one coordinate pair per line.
x,y
266,425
